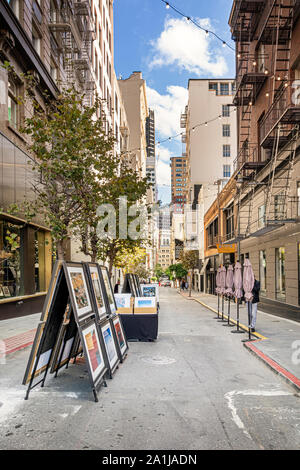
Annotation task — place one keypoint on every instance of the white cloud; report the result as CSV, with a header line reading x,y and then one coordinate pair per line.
x,y
168,109
184,45
163,154
163,173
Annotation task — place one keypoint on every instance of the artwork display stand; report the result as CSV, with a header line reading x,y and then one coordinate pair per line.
x,y
76,320
117,329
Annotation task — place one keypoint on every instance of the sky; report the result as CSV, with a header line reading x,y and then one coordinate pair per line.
x,y
169,50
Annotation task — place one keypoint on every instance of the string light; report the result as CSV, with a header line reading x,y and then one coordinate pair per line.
x,y
189,19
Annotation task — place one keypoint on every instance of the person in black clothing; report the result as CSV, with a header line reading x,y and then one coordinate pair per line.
x,y
254,304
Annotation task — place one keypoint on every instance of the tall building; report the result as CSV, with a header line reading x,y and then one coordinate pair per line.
x,y
61,43
210,138
267,227
151,157
133,90
179,182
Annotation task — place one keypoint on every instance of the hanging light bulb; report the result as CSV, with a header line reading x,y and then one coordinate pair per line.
x,y
206,124
207,33
167,6
188,18
224,44
266,72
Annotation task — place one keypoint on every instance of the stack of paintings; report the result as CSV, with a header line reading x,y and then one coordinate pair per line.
x,y
79,317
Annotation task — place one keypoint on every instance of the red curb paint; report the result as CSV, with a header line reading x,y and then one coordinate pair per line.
x,y
21,341
280,370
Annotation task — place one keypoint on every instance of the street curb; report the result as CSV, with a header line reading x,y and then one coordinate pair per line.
x,y
18,342
243,327
285,374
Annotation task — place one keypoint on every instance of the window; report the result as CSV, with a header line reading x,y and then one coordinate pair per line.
x,y
15,6
279,206
226,130
53,71
261,216
225,110
213,87
36,40
229,214
13,112
226,171
263,271
224,89
226,151
280,273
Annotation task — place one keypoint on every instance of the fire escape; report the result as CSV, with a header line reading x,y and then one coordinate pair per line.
x,y
73,26
272,24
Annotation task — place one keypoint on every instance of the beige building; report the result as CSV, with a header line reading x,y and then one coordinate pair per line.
x,y
133,90
209,121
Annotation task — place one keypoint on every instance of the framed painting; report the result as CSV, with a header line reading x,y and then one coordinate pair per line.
x,y
122,300
110,345
97,290
150,290
108,289
79,290
92,351
123,345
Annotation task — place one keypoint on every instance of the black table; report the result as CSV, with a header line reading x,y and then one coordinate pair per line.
x,y
140,327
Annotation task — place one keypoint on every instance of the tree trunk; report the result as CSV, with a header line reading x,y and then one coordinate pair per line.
x,y
60,250
190,286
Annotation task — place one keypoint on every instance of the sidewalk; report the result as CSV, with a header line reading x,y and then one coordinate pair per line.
x,y
277,340
18,333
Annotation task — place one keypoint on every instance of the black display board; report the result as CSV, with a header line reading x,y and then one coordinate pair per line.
x,y
68,304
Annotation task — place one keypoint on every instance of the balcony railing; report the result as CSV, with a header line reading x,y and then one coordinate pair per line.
x,y
283,110
249,158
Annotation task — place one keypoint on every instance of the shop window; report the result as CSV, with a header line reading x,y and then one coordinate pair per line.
x,y
280,273
10,260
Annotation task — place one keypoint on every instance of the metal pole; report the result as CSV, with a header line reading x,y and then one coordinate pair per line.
x,y
238,319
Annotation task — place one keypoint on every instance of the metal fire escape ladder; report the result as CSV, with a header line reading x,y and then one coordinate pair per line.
x,y
280,178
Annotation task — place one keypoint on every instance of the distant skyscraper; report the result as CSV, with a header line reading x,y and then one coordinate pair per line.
x,y
151,161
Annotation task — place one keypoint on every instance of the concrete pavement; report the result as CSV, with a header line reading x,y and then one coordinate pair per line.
x,y
194,388
277,339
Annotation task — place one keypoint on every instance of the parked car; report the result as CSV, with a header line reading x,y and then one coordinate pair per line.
x,y
165,283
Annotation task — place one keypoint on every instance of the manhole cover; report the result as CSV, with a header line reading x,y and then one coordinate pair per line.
x,y
158,360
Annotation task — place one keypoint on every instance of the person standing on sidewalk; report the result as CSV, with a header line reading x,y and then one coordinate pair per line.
x,y
254,304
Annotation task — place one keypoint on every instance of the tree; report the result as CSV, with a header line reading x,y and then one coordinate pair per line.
x,y
130,260
158,271
190,261
176,272
111,245
72,153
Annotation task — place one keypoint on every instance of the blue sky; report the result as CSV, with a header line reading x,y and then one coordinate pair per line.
x,y
169,50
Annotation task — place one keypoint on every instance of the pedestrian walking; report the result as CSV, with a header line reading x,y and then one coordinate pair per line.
x,y
183,284
254,304
116,290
